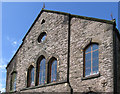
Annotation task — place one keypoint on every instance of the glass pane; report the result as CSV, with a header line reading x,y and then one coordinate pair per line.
x,y
87,72
13,81
88,57
42,71
40,75
43,38
32,75
88,49
95,65
95,54
54,71
95,69
95,62
88,64
52,74
94,46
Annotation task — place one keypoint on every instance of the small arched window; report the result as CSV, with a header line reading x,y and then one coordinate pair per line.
x,y
30,78
13,81
42,37
41,70
43,21
91,60
53,70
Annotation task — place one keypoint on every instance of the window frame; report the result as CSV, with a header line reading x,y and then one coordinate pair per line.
x,y
12,87
29,79
38,70
43,21
50,69
84,56
42,34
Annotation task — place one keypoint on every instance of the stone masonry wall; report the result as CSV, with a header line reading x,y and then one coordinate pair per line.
x,y
56,27
117,49
10,69
82,33
55,88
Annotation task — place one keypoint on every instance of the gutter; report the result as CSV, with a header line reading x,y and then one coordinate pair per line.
x,y
68,59
114,60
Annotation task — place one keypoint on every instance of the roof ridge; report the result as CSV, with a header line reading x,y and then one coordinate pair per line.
x,y
83,17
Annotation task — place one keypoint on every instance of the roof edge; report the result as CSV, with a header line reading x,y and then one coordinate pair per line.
x,y
64,13
95,19
82,17
14,55
72,15
33,24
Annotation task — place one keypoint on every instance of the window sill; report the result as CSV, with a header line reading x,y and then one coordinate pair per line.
x,y
12,91
91,76
44,85
42,42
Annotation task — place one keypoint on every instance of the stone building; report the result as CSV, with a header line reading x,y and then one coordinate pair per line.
x,y
62,52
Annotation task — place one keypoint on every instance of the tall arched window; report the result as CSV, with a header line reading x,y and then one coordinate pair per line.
x,y
30,78
13,81
53,70
91,60
41,70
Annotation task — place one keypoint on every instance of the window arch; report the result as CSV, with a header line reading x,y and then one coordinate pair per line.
x,y
91,59
53,70
41,70
13,81
30,77
43,21
42,37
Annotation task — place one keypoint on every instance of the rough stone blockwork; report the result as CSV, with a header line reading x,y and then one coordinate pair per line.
x,y
117,60
68,35
82,33
56,27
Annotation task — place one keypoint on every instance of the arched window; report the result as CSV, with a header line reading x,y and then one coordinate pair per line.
x,y
43,21
53,70
91,60
13,81
41,70
42,37
30,78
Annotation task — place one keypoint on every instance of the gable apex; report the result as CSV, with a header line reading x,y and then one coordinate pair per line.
x,y
63,13
72,15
